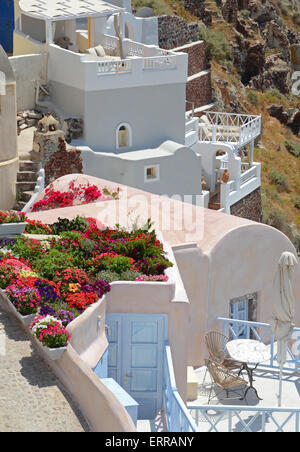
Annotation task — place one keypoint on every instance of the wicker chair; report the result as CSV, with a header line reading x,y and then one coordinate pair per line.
x,y
224,379
216,346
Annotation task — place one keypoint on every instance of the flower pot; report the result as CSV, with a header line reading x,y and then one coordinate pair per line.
x,y
54,353
25,319
8,229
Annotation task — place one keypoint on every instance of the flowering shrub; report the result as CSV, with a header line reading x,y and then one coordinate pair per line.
x,y
12,217
62,276
76,195
26,299
37,227
81,300
160,278
50,331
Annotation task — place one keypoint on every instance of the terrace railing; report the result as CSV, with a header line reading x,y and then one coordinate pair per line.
x,y
178,416
234,418
263,333
243,418
229,128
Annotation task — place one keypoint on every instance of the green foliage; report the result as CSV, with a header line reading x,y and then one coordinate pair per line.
x,y
28,248
253,98
217,46
109,276
296,202
279,179
245,13
293,147
63,224
52,262
159,7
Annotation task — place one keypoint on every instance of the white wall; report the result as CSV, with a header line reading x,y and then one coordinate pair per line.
x,y
28,70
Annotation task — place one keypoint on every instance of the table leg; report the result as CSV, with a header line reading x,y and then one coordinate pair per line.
x,y
250,376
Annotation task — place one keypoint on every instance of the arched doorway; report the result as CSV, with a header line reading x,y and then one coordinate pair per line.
x,y
123,136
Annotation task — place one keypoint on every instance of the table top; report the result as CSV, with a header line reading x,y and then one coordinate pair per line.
x,y
248,350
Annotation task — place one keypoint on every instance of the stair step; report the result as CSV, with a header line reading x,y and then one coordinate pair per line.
x,y
26,176
27,195
214,205
28,165
19,206
25,186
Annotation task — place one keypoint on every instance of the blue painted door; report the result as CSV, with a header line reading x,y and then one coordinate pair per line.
x,y
7,24
135,358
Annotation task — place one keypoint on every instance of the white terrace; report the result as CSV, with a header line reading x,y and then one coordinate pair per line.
x,y
252,415
51,27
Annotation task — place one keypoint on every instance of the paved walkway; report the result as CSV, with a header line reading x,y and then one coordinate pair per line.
x,y
32,399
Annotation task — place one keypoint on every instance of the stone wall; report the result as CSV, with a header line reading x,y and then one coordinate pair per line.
x,y
198,89
174,31
63,161
249,207
197,60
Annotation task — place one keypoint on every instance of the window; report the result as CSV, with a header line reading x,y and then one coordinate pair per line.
x,y
123,136
151,173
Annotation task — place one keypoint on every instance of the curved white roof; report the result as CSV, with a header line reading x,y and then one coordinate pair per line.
x,y
66,9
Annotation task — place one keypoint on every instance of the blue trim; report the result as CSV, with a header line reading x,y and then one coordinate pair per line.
x,y
7,24
101,369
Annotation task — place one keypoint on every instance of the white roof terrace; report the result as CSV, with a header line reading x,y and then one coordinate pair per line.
x,y
56,10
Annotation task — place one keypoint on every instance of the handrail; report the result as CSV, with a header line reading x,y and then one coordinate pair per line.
x,y
178,416
225,413
263,333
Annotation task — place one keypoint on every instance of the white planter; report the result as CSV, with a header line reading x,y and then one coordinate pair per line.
x,y
8,229
54,353
25,319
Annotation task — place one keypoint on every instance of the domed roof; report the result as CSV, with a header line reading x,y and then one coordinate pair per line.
x,y
145,11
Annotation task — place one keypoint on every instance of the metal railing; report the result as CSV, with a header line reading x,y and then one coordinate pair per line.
x,y
233,418
263,332
178,416
243,418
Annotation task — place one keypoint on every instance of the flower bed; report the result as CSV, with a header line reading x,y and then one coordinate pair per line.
x,y
60,277
12,223
74,196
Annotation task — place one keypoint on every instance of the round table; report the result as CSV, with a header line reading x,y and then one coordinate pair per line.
x,y
248,351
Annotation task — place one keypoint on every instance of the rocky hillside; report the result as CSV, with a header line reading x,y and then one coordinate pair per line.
x,y
252,45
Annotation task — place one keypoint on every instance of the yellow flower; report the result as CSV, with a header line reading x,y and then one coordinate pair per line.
x,y
73,287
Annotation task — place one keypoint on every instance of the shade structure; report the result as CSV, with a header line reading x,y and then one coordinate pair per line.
x,y
283,309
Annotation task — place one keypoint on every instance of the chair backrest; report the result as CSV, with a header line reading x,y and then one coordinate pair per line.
x,y
216,345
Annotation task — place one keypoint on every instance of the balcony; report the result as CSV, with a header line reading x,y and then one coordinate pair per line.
x,y
141,65
253,415
234,129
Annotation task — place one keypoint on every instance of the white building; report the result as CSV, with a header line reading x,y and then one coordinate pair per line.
x,y
132,98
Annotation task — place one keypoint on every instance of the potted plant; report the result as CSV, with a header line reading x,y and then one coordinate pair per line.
x,y
12,223
24,300
51,335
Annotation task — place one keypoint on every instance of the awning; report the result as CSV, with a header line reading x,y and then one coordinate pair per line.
x,y
56,10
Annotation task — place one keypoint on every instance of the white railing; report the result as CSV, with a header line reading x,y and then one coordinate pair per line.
x,y
229,128
160,63
191,131
243,418
248,175
114,67
263,333
178,416
235,418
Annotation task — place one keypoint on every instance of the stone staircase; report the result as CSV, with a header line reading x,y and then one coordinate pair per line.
x,y
29,165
